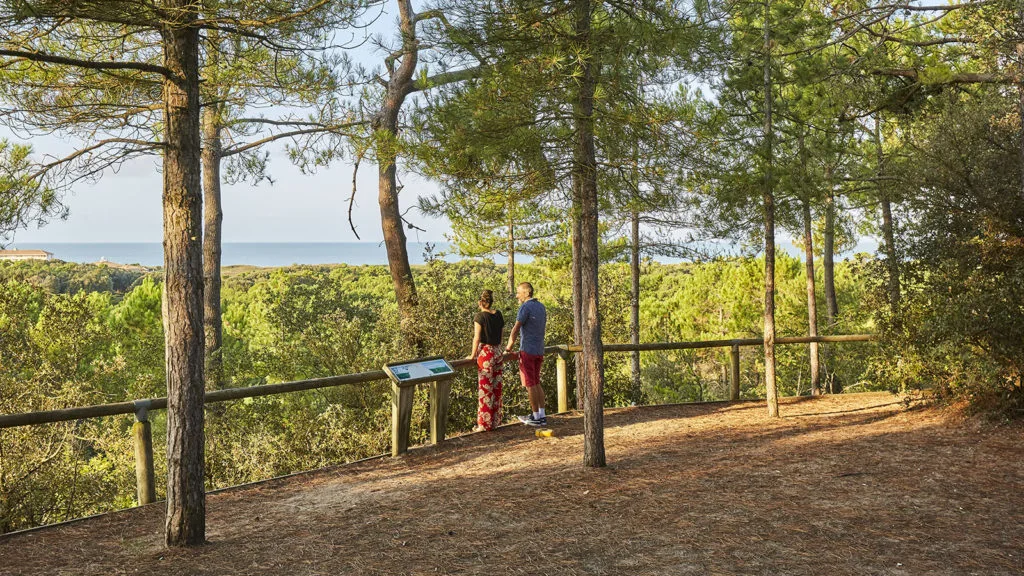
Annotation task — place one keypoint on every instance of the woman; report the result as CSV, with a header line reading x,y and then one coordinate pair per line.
x,y
487,326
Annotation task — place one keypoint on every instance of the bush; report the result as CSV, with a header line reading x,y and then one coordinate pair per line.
x,y
960,328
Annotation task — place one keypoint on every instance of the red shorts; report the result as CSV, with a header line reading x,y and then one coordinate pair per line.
x,y
529,368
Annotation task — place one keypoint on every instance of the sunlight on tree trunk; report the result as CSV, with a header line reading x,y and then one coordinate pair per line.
x,y
183,289
812,305
888,227
829,277
213,217
585,177
634,304
769,230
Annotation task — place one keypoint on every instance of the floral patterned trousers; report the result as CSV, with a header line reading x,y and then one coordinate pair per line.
x,y
489,372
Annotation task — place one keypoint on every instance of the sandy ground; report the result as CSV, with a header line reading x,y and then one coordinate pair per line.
x,y
858,484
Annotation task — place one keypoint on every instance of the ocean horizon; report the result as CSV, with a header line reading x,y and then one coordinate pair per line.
x,y
262,254
273,254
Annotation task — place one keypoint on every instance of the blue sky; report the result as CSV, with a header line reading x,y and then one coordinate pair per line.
x,y
125,207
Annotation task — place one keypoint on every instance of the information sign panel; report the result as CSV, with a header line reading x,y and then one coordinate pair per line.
x,y
421,370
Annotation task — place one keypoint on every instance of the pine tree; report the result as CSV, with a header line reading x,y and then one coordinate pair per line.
x,y
109,70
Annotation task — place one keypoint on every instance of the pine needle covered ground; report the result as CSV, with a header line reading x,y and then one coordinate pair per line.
x,y
854,484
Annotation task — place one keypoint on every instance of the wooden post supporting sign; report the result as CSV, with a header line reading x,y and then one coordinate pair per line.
x,y
401,418
440,398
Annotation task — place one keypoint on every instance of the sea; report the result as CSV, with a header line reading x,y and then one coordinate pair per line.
x,y
272,254
264,254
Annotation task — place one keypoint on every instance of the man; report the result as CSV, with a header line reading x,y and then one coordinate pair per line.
x,y
531,322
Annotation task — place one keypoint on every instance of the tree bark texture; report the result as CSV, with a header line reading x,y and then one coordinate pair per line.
x,y
634,304
1020,113
385,126
585,181
577,299
213,216
769,230
888,228
1020,92
891,261
812,305
1020,147
183,281
828,262
829,277
511,258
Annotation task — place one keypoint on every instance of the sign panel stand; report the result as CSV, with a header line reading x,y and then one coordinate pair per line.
x,y
412,372
404,377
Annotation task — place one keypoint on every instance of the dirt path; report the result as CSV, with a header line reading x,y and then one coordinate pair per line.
x,y
852,484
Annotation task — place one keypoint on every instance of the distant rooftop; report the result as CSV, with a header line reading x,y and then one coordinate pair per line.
x,y
25,255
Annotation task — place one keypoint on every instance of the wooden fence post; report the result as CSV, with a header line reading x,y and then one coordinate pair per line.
x,y
562,372
142,430
440,398
734,357
401,417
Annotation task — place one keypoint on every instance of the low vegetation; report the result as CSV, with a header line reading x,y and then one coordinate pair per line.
x,y
81,346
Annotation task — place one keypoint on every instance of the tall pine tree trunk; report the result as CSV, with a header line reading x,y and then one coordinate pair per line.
x,y
1020,92
812,305
888,227
577,298
769,229
634,303
585,181
385,126
185,521
511,258
395,243
829,273
213,216
889,236
828,262
1020,113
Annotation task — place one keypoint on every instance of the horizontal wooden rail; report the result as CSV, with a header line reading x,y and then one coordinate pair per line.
x,y
402,396
80,413
69,414
133,407
723,343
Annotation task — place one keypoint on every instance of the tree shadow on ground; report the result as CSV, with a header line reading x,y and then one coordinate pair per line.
x,y
879,490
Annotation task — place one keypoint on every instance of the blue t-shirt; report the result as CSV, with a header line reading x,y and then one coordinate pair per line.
x,y
534,318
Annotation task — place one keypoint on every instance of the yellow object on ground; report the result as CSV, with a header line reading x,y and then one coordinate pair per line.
x,y
545,433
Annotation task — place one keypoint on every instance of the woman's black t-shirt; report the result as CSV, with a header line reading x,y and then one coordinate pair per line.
x,y
491,327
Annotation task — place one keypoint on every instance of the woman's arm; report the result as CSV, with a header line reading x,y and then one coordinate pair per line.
x,y
476,340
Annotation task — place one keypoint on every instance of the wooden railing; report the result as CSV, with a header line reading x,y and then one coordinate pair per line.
x,y
734,356
401,398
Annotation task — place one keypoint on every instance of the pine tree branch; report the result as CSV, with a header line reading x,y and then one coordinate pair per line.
x,y
297,123
90,64
282,135
960,78
94,167
352,198
450,77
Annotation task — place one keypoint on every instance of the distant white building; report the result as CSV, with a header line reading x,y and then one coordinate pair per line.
x,y
25,255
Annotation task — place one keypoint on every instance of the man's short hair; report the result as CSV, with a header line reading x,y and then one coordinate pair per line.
x,y
528,286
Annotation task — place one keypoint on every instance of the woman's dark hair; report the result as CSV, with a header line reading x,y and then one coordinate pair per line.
x,y
487,299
